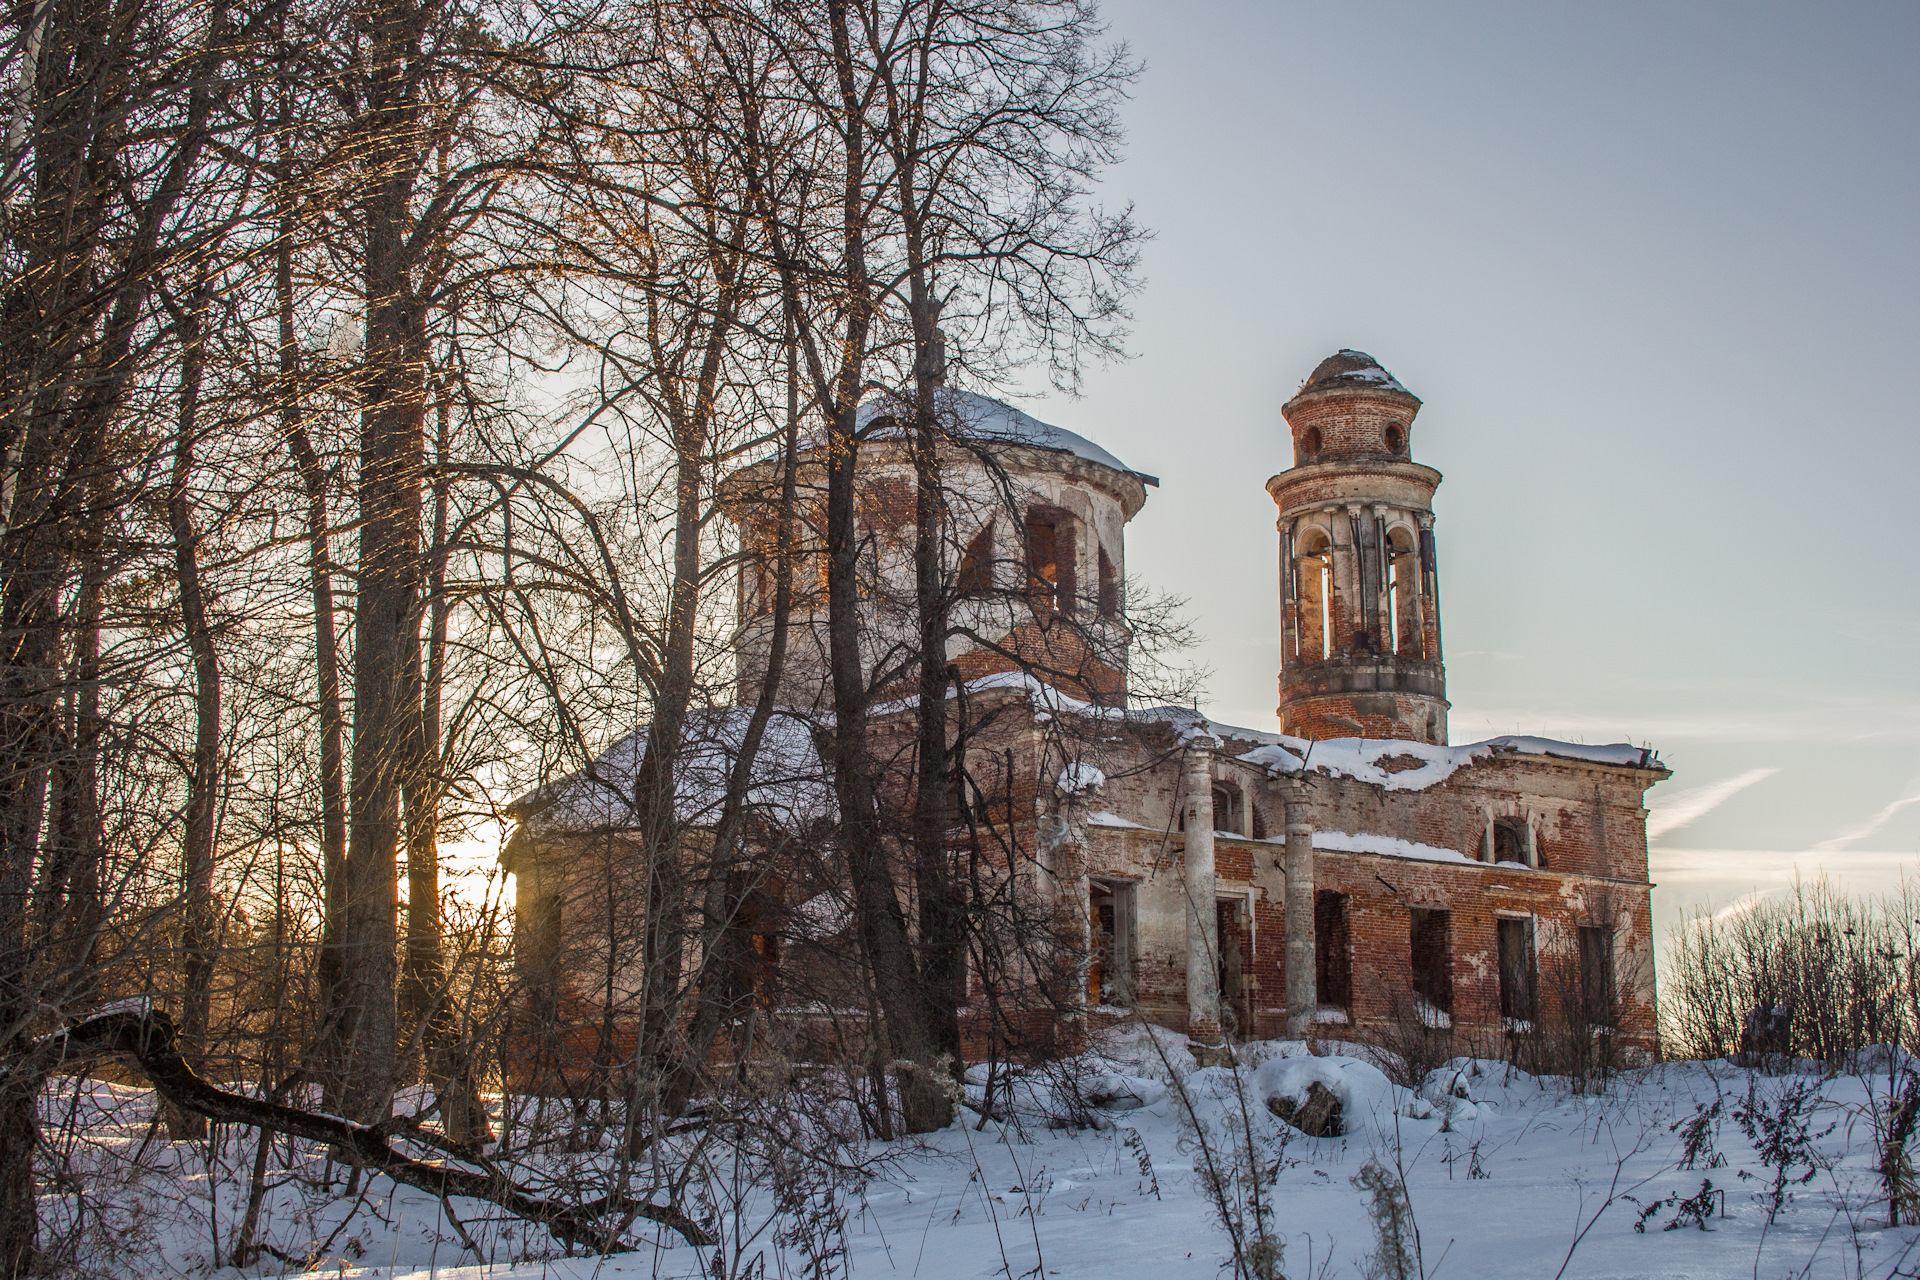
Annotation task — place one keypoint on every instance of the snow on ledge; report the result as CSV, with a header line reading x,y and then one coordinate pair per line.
x,y
1391,846
1078,777
1046,699
1103,818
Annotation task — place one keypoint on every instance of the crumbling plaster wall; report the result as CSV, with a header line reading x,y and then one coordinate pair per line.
x,y
1098,499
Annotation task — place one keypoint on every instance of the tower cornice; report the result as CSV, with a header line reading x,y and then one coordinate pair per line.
x,y
1367,480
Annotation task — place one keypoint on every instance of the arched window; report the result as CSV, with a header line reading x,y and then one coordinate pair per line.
x,y
1396,438
1510,841
1309,444
1229,809
1109,587
1314,569
1403,594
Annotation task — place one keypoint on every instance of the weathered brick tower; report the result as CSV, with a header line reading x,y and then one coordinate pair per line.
x,y
1359,594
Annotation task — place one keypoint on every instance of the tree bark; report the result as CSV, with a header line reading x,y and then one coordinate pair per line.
x,y
882,921
386,619
326,643
199,923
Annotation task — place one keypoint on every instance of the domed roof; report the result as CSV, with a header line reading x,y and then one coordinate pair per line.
x,y
981,417
1350,370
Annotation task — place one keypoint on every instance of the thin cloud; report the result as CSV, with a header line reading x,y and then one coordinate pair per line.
x,y
1833,720
1684,807
1861,830
1738,907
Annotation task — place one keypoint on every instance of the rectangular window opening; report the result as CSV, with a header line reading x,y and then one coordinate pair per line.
x,y
1235,933
1110,973
1517,976
1596,975
1393,601
1332,955
1432,959
1109,587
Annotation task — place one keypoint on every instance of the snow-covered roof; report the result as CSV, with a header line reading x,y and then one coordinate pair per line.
x,y
978,417
1350,369
789,783
1621,753
1363,759
1366,759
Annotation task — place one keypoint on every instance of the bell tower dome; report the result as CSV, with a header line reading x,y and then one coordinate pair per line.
x,y
1359,592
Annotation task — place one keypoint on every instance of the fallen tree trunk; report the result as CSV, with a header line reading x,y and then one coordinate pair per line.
x,y
148,1037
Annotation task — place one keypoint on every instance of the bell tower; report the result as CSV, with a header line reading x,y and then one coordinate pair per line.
x,y
1359,591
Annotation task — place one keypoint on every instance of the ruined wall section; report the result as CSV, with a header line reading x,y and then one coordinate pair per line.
x,y
1588,829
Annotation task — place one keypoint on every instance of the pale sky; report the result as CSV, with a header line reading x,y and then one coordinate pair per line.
x,y
1652,269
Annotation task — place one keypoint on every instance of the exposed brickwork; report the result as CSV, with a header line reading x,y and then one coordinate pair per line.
x,y
1350,715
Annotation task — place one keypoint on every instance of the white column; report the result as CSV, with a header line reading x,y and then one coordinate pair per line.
x,y
1302,977
1382,607
1203,942
1289,603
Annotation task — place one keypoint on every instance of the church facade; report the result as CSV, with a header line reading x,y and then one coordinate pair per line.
x,y
1352,875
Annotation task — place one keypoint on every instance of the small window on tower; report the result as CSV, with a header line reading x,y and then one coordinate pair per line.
x,y
1403,594
1396,438
976,565
1313,590
1109,587
1310,441
1050,561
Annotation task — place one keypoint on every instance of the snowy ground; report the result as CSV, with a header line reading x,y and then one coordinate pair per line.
x,y
1506,1176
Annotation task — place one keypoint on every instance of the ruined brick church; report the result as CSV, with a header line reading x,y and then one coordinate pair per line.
x,y
1350,875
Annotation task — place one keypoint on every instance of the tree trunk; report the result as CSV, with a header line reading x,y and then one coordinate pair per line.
x,y
199,923
326,643
942,913
386,619
725,950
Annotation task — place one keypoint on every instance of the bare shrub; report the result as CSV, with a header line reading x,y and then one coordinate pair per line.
x,y
1811,974
1411,1042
